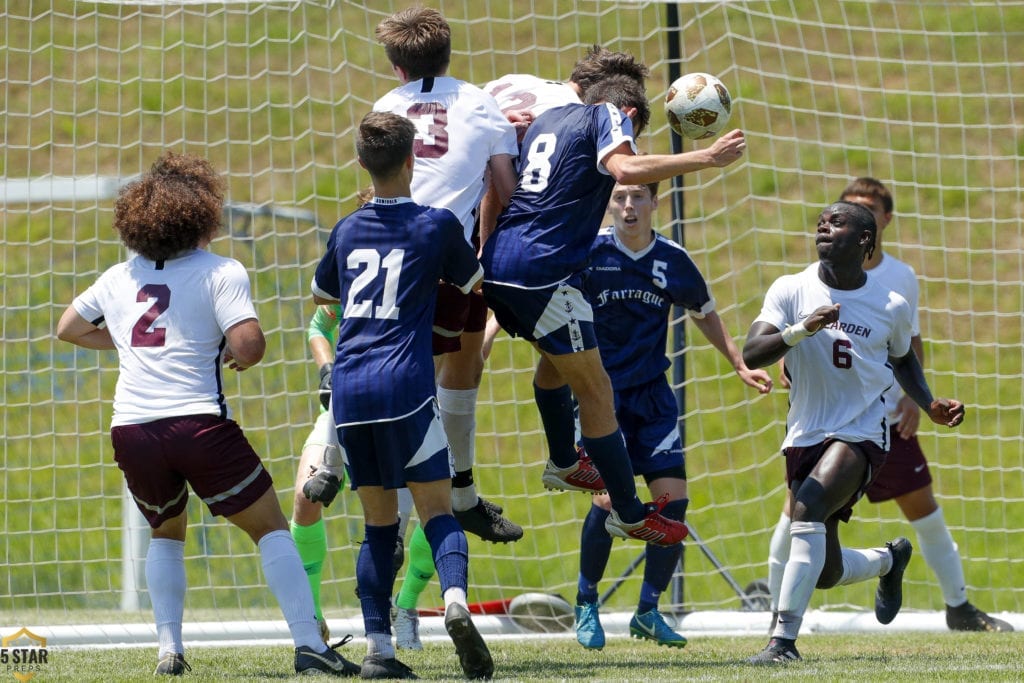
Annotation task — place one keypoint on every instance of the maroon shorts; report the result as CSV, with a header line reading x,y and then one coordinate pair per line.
x,y
905,469
801,460
456,313
209,453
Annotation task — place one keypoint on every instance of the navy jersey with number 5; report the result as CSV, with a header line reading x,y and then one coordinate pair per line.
x,y
544,235
383,263
632,294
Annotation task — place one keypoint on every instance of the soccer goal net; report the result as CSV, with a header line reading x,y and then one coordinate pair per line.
x,y
923,95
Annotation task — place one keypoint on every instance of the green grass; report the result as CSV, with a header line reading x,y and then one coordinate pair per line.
x,y
271,93
890,657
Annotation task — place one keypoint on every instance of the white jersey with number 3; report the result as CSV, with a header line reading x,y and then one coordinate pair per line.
x,y
167,320
839,374
458,129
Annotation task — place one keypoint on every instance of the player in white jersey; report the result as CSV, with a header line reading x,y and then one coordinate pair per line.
x,y
175,313
905,478
463,141
844,336
525,92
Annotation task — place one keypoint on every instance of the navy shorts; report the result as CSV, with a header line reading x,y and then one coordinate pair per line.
x,y
207,452
801,460
905,469
558,318
648,417
392,453
455,313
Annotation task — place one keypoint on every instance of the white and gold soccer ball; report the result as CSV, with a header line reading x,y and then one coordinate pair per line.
x,y
698,105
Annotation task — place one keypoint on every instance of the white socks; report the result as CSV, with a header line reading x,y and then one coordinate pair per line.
x,y
806,559
778,556
458,415
941,554
861,565
454,594
287,580
165,577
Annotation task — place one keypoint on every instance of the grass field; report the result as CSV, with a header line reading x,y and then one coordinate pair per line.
x,y
923,95
892,658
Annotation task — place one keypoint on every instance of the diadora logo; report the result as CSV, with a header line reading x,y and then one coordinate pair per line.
x,y
23,654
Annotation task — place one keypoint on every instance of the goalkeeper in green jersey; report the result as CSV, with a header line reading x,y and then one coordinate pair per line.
x,y
307,524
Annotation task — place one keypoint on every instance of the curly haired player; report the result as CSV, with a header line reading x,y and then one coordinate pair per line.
x,y
174,313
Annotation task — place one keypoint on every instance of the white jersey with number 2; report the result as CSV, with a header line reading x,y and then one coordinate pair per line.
x,y
523,91
167,320
840,374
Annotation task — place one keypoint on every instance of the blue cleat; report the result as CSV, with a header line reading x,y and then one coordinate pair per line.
x,y
588,626
651,626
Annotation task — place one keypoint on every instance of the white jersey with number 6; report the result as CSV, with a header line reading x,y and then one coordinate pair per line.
x,y
840,373
458,129
167,320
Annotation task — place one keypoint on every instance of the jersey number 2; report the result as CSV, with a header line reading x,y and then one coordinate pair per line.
x,y
143,332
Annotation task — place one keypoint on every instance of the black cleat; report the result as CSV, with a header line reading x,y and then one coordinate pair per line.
x,y
172,664
778,651
481,520
967,617
474,656
493,507
310,662
375,666
889,595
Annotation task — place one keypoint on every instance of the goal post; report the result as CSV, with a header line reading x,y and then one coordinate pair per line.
x,y
922,94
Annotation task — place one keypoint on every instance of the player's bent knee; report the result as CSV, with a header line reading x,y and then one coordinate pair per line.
x,y
676,509
829,577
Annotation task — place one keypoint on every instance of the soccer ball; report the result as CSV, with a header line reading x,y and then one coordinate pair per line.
x,y
697,106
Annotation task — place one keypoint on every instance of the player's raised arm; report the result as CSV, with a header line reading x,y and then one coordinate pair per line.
x,y
630,169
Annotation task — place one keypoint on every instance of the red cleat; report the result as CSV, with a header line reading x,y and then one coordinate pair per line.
x,y
653,528
581,476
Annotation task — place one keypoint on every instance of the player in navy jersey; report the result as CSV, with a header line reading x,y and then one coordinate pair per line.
x,y
463,143
844,337
571,158
175,312
634,278
905,478
383,263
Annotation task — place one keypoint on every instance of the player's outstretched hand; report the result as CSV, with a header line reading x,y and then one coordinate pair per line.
x,y
946,411
727,148
322,487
